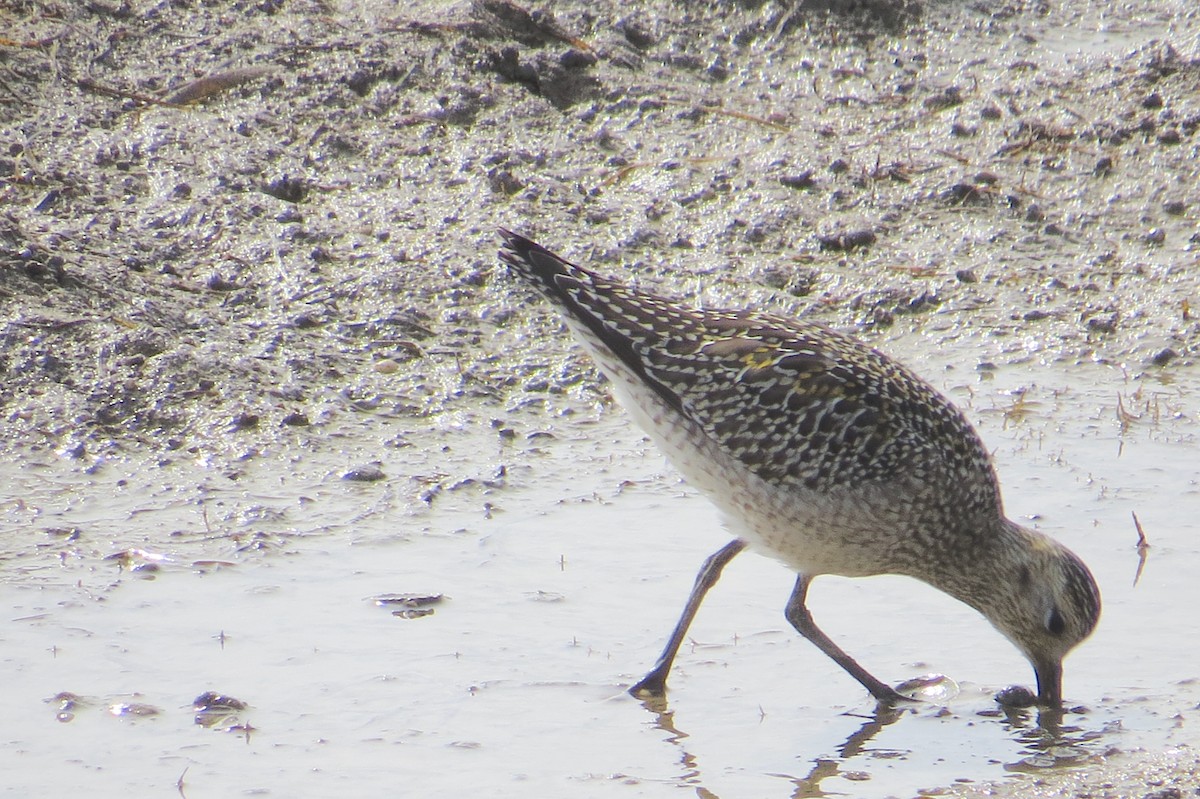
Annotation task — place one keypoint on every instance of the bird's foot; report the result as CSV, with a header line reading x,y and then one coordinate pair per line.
x,y
890,698
652,686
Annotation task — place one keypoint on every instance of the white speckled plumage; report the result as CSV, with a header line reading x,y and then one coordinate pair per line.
x,y
823,453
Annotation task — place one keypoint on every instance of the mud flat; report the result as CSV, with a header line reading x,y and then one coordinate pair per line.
x,y
247,251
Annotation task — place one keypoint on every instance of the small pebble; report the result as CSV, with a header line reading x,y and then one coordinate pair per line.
x,y
963,193
216,711
1016,696
287,189
637,35
803,180
1164,356
211,700
245,421
306,321
365,474
843,242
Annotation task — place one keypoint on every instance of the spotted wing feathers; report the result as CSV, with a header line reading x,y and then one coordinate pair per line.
x,y
793,401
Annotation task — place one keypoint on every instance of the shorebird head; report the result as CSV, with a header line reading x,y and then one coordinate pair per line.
x,y
1048,603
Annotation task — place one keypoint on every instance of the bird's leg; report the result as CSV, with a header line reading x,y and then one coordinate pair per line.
x,y
655,683
800,617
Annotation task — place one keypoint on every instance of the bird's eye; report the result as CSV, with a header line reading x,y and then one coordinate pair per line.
x,y
1055,623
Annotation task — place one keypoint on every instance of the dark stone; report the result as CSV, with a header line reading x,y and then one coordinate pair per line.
x,y
1016,696
843,242
245,421
1164,356
287,189
803,180
365,474
636,35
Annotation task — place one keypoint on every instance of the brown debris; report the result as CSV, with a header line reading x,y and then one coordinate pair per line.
x,y
1143,548
203,88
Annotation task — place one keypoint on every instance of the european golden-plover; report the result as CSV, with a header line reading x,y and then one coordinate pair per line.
x,y
825,454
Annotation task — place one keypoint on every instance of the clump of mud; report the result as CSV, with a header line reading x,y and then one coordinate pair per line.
x,y
231,224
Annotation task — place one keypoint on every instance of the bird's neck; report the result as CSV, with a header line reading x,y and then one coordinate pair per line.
x,y
996,545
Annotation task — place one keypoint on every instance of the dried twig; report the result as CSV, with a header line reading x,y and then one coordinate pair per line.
x,y
954,156
517,18
209,85
1124,418
1143,548
110,91
621,172
771,121
187,94
30,43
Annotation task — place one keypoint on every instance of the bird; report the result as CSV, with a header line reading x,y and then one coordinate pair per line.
x,y
825,454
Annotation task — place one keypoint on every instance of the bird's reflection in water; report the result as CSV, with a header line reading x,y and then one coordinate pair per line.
x,y
1045,740
807,786
665,721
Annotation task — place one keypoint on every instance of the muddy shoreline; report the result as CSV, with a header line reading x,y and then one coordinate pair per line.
x,y
329,209
235,229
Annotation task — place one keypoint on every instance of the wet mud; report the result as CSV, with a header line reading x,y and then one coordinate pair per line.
x,y
259,360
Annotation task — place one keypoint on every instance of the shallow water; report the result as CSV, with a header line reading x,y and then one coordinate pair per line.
x,y
561,578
